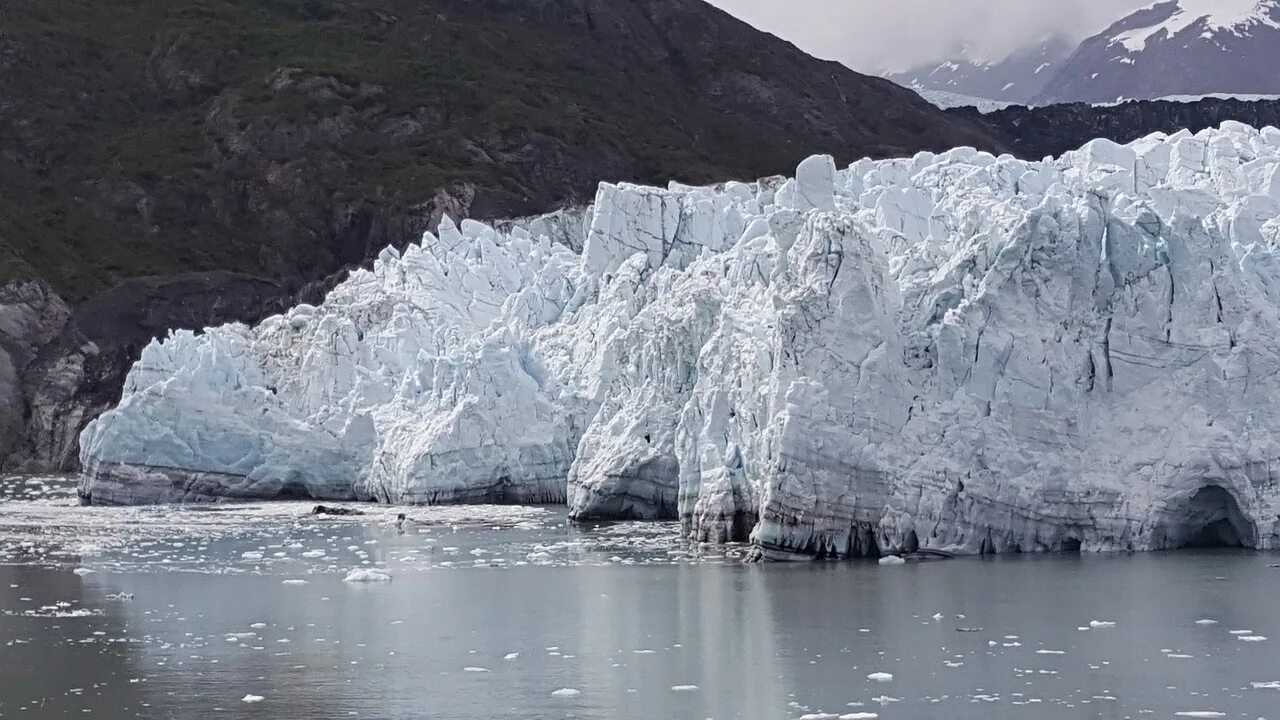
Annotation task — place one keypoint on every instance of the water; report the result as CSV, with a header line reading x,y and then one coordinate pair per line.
x,y
187,612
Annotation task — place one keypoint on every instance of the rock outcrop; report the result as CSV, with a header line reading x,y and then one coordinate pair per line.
x,y
70,363
958,352
31,317
1039,132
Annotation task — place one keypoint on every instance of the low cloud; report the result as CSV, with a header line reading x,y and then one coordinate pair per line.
x,y
885,35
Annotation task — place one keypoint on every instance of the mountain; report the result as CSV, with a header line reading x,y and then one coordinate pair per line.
x,y
956,352
1176,48
1049,130
178,163
961,80
289,139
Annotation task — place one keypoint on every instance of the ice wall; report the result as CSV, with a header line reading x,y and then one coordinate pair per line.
x,y
952,351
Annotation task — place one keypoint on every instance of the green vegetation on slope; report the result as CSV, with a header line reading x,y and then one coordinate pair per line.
x,y
286,138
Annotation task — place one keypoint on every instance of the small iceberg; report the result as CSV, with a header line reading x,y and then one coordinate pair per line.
x,y
366,575
566,693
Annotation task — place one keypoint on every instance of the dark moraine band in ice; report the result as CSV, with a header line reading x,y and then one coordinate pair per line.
x,y
953,351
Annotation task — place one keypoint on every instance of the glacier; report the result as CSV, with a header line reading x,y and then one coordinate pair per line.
x,y
951,351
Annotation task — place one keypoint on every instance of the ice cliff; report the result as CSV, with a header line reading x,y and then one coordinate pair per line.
x,y
952,351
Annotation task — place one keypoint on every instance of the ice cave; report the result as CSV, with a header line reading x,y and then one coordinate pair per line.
x,y
1210,518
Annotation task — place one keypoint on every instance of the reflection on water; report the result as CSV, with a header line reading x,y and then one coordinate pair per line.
x,y
492,610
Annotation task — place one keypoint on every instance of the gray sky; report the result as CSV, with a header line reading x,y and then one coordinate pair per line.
x,y
876,35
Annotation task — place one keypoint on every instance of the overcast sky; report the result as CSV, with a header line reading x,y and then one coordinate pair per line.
x,y
877,35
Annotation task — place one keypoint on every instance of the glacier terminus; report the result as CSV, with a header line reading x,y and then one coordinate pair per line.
x,y
951,351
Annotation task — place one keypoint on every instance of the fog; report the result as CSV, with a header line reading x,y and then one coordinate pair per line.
x,y
878,35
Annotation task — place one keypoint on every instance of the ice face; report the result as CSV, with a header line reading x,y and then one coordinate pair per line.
x,y
947,352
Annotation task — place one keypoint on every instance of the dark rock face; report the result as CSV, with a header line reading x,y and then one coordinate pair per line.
x,y
1034,133
31,317
1138,58
72,364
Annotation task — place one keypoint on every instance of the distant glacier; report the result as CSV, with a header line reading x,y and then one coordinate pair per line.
x,y
951,351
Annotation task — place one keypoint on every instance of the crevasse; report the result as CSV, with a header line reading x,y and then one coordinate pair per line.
x,y
955,351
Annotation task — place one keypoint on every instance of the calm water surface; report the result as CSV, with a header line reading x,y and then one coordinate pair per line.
x,y
182,613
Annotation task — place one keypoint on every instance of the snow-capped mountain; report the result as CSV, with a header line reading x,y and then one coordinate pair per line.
x,y
1016,79
1176,48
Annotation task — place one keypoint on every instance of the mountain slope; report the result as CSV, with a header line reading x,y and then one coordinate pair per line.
x,y
1019,78
179,163
288,139
1051,130
1178,47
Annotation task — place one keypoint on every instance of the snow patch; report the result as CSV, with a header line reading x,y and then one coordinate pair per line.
x,y
1214,15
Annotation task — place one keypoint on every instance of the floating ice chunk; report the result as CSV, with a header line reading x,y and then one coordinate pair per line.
x,y
859,716
566,693
511,656
366,575
82,571
252,699
293,581
892,560
1240,632
880,677
1201,714
312,554
1096,624
1051,652
1252,638
684,688
475,669
1206,621
1268,685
